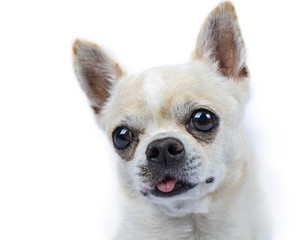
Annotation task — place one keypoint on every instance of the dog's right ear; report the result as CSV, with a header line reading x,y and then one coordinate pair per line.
x,y
96,72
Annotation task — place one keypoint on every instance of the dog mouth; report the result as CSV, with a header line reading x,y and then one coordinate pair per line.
x,y
170,187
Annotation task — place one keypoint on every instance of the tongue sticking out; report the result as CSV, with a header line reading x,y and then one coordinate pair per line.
x,y
167,185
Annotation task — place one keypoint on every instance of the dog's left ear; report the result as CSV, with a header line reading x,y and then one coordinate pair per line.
x,y
220,41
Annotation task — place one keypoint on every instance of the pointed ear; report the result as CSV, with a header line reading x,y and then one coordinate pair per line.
x,y
220,41
95,71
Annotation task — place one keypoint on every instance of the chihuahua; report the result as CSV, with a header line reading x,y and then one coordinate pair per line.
x,y
185,167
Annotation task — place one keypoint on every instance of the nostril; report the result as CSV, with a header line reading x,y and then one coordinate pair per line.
x,y
153,153
175,149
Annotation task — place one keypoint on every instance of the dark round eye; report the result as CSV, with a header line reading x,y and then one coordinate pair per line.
x,y
203,120
122,137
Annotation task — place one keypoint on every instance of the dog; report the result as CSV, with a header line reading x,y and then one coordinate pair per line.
x,y
185,167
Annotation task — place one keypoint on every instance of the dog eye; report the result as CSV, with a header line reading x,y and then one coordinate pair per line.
x,y
122,137
203,120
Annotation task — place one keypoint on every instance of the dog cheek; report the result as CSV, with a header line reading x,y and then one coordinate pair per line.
x,y
205,161
139,174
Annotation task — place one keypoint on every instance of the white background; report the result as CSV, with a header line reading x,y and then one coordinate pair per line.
x,y
57,180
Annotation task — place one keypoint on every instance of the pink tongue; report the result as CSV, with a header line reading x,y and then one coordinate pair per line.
x,y
167,185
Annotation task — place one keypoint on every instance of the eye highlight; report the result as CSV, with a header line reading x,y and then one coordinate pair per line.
x,y
122,137
203,120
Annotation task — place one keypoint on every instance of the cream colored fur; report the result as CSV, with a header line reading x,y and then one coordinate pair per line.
x,y
216,79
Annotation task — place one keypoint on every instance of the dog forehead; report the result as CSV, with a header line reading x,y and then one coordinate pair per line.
x,y
156,90
149,89
165,87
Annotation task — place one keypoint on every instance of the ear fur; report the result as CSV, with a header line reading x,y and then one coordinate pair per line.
x,y
220,41
96,72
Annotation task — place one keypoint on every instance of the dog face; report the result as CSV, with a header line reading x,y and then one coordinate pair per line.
x,y
176,130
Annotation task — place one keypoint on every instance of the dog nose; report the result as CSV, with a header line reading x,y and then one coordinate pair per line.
x,y
166,151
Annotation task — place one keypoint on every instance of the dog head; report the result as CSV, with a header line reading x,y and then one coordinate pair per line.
x,y
176,129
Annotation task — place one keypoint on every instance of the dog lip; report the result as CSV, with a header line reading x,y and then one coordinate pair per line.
x,y
180,187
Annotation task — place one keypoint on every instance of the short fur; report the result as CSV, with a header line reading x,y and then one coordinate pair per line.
x,y
158,103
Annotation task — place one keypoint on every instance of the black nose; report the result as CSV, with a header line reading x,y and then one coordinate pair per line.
x,y
166,151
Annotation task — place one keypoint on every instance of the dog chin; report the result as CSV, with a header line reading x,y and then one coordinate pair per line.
x,y
178,205
178,208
